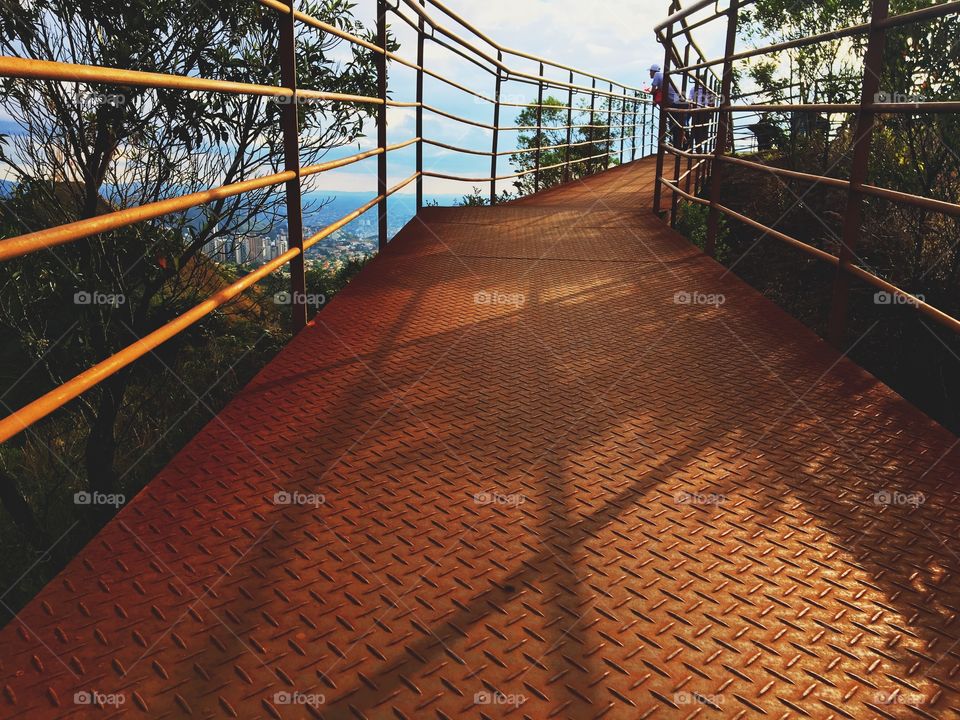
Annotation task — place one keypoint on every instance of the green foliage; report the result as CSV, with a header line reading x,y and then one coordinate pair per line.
x,y
478,198
916,153
692,223
587,142
331,277
78,151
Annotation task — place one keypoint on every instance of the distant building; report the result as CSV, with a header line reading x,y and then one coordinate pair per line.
x,y
255,248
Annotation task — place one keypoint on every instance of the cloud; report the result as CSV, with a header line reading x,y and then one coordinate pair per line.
x,y
610,38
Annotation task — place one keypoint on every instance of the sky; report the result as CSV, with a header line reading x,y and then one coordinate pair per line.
x,y
610,38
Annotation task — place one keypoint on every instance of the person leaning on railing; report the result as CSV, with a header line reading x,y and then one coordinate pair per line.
x,y
666,101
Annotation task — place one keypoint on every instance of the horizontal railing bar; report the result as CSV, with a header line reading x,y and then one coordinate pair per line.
x,y
926,203
918,304
778,47
64,393
347,219
487,153
547,106
463,23
69,232
687,30
333,30
598,141
858,272
428,173
683,193
693,166
941,206
497,63
487,126
809,249
63,234
683,14
442,43
29,69
437,143
880,108
926,13
444,113
577,89
321,25
564,127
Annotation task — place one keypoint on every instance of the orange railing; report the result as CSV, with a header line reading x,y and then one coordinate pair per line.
x,y
635,112
722,117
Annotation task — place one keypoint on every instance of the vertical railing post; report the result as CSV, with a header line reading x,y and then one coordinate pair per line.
x,y
420,39
496,132
690,118
654,126
609,143
536,172
723,125
859,168
566,150
382,124
623,126
664,101
592,130
683,135
643,124
698,126
291,162
633,124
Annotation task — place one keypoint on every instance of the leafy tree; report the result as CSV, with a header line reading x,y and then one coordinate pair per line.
x,y
478,198
78,151
914,152
586,142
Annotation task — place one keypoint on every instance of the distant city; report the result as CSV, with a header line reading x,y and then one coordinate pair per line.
x,y
354,240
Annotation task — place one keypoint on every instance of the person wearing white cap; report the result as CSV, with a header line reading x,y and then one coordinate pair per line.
x,y
676,121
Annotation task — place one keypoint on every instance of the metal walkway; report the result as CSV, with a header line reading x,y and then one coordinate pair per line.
x,y
551,488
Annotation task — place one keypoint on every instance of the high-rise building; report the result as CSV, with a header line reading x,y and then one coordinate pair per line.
x,y
255,249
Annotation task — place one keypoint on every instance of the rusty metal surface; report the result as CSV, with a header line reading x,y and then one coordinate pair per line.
x,y
551,488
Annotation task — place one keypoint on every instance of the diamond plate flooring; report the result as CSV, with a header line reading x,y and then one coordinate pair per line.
x,y
542,460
